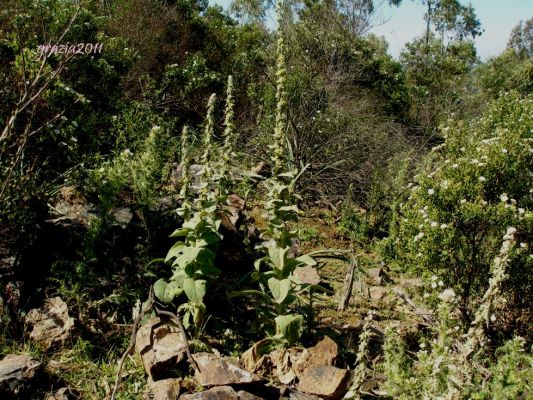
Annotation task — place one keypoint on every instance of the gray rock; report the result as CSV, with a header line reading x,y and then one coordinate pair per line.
x,y
61,394
221,371
72,208
377,292
16,372
194,172
51,324
247,396
322,354
160,346
376,276
216,393
295,395
307,275
122,215
327,382
225,393
165,389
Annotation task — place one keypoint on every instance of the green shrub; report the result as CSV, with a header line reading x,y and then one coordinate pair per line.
x,y
142,172
477,183
453,365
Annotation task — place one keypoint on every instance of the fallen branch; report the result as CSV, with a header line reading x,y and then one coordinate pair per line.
x,y
134,329
426,315
348,285
174,318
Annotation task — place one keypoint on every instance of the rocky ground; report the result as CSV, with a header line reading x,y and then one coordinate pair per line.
x,y
58,361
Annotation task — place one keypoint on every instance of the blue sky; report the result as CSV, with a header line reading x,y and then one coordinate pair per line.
x,y
400,25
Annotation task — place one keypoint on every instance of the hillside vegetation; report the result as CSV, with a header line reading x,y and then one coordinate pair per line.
x,y
171,168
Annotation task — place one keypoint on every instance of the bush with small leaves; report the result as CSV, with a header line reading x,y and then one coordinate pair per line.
x,y
477,183
453,365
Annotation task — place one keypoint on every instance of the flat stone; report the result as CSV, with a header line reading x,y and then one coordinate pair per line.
x,y
376,276
307,275
323,353
221,371
161,348
248,396
122,215
327,382
281,362
221,393
407,283
377,292
361,287
16,373
236,201
296,395
165,389
216,393
72,208
51,324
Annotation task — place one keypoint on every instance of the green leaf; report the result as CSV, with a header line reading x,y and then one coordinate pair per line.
x,y
255,276
239,293
180,232
208,238
279,289
159,289
175,250
258,262
195,289
307,260
188,255
289,327
205,256
178,277
209,270
167,292
278,257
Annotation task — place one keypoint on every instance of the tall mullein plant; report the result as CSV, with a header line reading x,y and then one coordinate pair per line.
x,y
193,255
281,205
229,136
275,269
207,171
186,206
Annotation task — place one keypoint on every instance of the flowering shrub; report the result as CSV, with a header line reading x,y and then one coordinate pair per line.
x,y
478,183
450,365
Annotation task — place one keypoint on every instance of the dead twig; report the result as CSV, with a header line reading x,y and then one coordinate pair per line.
x,y
174,318
426,315
348,285
134,329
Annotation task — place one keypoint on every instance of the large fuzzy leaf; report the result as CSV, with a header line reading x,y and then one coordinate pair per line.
x,y
180,232
279,289
175,251
167,292
278,257
289,327
195,289
307,260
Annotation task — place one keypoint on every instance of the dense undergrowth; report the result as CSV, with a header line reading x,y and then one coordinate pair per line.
x,y
121,171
